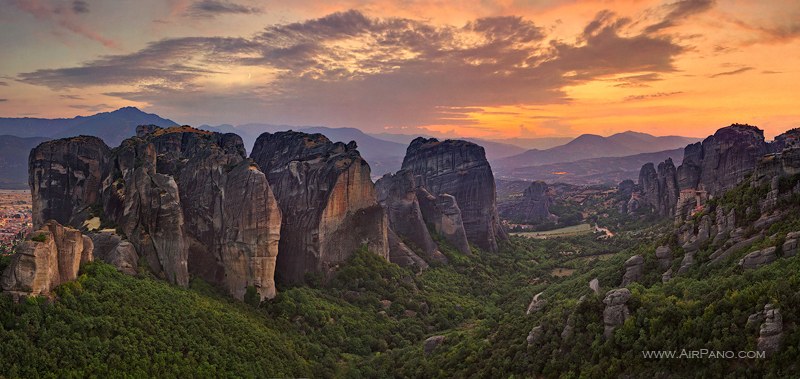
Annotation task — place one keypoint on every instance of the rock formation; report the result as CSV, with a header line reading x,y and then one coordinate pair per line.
x,y
659,188
66,177
664,257
431,343
534,335
758,258
790,245
50,256
460,169
771,331
327,199
533,208
616,310
634,269
444,215
536,304
109,247
186,201
398,195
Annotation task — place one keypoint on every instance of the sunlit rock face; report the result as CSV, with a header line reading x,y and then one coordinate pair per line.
x,y
51,256
189,202
460,169
327,200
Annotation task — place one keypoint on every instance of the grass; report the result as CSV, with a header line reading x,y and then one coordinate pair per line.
x,y
569,231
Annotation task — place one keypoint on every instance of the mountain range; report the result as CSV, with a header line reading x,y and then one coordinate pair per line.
x,y
383,151
589,146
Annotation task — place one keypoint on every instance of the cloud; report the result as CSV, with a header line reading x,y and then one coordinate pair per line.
x,y
62,18
213,8
93,108
3,84
635,81
80,6
733,72
679,11
652,95
771,72
71,97
3,100
395,71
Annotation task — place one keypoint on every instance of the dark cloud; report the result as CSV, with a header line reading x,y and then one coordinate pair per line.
x,y
3,84
732,72
771,72
2,100
350,69
634,81
80,6
652,95
213,8
678,11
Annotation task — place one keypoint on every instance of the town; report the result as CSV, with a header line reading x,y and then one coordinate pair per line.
x,y
15,218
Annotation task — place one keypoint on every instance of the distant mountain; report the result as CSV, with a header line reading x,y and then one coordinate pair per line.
x,y
112,127
14,160
383,156
495,149
606,170
589,146
534,143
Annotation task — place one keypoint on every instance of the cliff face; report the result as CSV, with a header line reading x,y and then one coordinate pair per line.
x,y
66,177
723,159
327,199
533,208
397,194
460,169
188,201
52,256
659,187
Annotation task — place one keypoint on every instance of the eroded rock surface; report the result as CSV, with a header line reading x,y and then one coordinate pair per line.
x,y
616,310
327,199
52,255
771,331
634,269
533,208
460,169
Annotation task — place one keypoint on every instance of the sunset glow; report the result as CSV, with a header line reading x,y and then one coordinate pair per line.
x,y
490,69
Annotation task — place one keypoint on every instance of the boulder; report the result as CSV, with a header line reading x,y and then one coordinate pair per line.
x,y
664,257
534,335
634,269
50,256
616,310
771,331
594,284
686,263
112,249
327,200
536,304
758,258
666,276
789,247
460,169
431,343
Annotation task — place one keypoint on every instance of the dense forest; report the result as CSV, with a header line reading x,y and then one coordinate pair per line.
x,y
372,317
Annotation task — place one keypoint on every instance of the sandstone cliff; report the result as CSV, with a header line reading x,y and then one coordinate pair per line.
x,y
188,201
460,169
659,188
327,199
50,256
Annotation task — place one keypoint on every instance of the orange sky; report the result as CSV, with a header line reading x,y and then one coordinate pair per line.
x,y
465,68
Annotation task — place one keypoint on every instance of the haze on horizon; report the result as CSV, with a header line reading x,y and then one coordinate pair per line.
x,y
491,69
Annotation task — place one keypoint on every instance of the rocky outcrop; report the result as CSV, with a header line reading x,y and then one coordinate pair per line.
x,y
535,335
790,245
758,258
634,269
52,255
327,200
397,194
536,304
431,343
594,285
443,214
664,257
771,331
686,263
660,188
533,208
66,177
616,310
112,249
460,169
402,255
185,201
722,160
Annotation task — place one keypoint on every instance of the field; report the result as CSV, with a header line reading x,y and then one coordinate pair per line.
x,y
569,231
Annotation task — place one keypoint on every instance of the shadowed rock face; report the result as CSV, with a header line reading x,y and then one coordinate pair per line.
x,y
188,201
533,208
660,188
397,194
53,256
722,160
443,213
459,168
327,199
66,177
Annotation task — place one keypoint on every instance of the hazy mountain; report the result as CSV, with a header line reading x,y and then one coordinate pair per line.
x,y
589,146
112,127
606,170
495,149
14,160
534,143
383,156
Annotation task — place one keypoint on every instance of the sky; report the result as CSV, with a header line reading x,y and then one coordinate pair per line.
x,y
480,68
